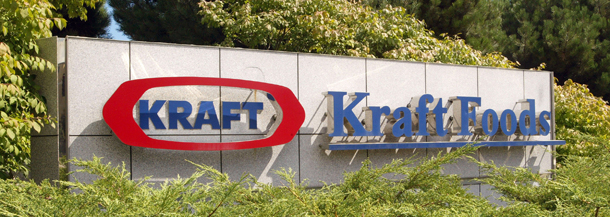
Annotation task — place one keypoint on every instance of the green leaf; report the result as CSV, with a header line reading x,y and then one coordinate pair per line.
x,y
36,126
10,133
63,22
24,13
14,79
2,132
4,30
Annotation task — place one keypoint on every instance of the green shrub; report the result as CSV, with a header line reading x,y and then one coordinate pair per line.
x,y
338,27
579,187
22,22
396,189
583,120
422,191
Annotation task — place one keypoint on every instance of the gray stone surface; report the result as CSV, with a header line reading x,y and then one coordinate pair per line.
x,y
96,68
264,66
491,195
393,83
474,189
109,148
150,60
161,165
319,74
444,81
538,86
45,158
318,165
261,162
539,158
500,89
48,81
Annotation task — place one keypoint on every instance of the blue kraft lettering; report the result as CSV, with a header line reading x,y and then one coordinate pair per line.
x,y
494,122
175,116
509,126
466,116
422,112
438,111
339,113
531,113
403,124
254,108
227,116
545,127
376,113
152,114
206,107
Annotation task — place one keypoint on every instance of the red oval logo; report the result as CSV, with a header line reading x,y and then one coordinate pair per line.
x,y
118,113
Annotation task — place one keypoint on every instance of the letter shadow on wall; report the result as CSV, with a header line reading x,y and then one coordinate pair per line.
x,y
105,145
318,164
261,162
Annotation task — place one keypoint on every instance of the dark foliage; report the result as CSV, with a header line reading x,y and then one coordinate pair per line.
x,y
95,25
174,21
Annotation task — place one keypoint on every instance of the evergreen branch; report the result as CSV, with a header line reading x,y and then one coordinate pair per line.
x,y
597,211
231,190
301,200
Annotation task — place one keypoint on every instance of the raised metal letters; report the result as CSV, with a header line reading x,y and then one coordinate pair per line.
x,y
425,117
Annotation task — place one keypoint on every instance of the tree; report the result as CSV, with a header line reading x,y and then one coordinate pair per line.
x,y
21,108
477,21
338,27
571,37
174,21
95,25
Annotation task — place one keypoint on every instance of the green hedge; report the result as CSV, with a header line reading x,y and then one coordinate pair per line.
x,y
581,187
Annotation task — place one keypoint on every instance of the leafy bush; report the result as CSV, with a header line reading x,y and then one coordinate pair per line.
x,y
582,119
422,190
580,187
338,27
22,22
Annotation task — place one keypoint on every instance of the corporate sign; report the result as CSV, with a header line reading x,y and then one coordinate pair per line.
x,y
423,116
118,113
